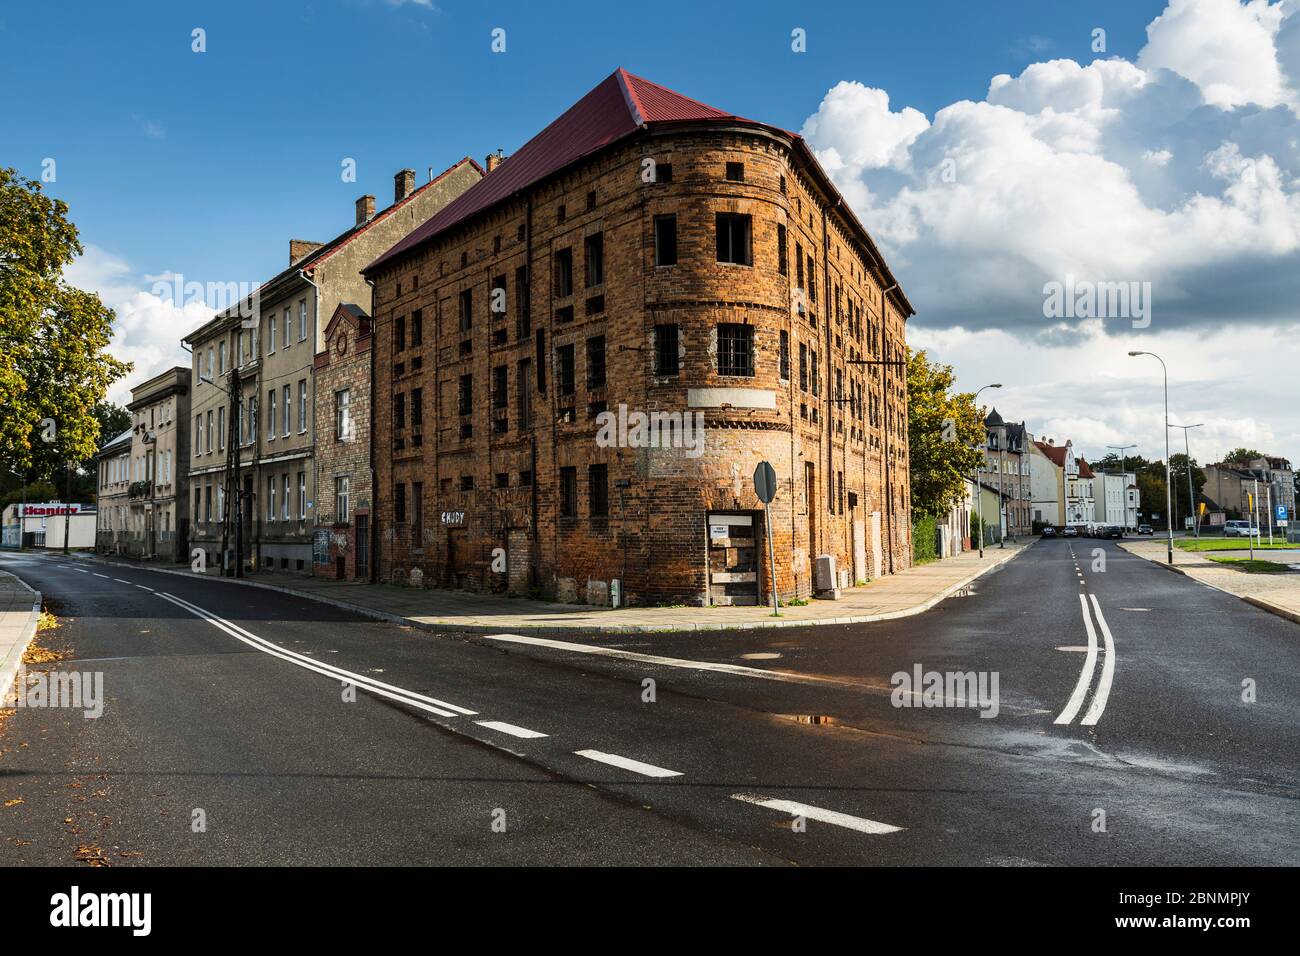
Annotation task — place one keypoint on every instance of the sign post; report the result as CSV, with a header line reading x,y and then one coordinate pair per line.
x,y
765,488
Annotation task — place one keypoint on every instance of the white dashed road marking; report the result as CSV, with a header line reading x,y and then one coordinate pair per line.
x,y
861,824
104,576
636,766
120,581
511,729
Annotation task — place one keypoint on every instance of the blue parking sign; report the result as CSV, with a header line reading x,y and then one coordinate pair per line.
x,y
1281,512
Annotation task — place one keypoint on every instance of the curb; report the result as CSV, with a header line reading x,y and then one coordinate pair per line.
x,y
14,657
393,618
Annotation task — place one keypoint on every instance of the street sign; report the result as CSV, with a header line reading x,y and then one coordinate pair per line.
x,y
765,482
765,488
1281,512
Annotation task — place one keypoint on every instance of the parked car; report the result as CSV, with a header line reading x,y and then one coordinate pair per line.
x,y
1071,531
1238,529
1146,529
1049,532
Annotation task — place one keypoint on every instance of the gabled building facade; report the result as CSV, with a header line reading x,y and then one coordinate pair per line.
x,y
1006,467
618,324
254,385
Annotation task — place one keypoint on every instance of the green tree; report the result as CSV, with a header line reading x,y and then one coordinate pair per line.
x,y
944,431
1240,456
53,337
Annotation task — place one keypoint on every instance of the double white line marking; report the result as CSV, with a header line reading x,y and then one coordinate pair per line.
x,y
429,704
1102,693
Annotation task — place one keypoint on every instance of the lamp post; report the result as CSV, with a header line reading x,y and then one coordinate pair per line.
x,y
1191,495
979,509
1123,474
1169,506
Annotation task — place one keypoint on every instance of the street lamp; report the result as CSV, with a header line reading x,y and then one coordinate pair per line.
x,y
1169,500
979,510
1187,453
1123,474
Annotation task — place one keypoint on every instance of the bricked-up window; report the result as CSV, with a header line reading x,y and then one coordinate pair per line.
x,y
803,367
568,492
523,320
735,349
784,356
598,491
812,281
417,328
733,238
798,265
399,410
596,362
736,172
343,414
500,386
417,407
564,377
541,361
667,360
564,273
466,310
465,397
399,503
665,240
593,254
816,373
399,333
417,508
341,495
782,265
524,392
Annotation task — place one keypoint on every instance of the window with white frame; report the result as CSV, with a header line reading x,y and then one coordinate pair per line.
x,y
341,499
288,409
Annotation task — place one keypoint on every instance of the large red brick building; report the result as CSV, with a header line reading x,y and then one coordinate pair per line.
x,y
644,255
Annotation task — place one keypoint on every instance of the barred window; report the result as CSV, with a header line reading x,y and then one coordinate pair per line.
x,y
735,349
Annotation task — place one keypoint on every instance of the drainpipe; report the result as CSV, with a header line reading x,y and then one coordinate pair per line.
x,y
372,571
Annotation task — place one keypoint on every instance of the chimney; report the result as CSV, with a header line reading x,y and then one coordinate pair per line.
x,y
299,248
403,184
494,160
365,209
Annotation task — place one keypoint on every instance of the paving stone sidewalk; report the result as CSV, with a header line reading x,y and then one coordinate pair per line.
x,y
1277,593
900,595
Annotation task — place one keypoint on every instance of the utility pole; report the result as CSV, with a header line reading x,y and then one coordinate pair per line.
x,y
1169,500
67,505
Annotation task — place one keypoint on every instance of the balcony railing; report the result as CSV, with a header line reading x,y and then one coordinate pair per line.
x,y
140,489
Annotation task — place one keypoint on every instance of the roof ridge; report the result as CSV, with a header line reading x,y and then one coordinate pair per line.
x,y
629,95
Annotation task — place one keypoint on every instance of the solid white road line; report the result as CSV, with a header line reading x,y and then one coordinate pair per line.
x,y
861,824
410,698
1107,671
1085,676
510,729
656,659
636,766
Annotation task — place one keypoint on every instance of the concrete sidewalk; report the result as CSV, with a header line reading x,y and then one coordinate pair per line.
x,y
1276,593
20,612
900,595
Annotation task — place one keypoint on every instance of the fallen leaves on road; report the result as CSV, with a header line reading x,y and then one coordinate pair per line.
x,y
91,855
14,802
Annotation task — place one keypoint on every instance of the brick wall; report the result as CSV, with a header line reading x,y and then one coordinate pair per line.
x,y
656,535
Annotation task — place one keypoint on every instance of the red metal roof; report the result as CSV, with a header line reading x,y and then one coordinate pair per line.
x,y
618,106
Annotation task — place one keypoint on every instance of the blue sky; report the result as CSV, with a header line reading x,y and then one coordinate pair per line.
x,y
1170,160
206,164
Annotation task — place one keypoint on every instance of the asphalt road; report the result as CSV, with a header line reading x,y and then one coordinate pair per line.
x,y
765,747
